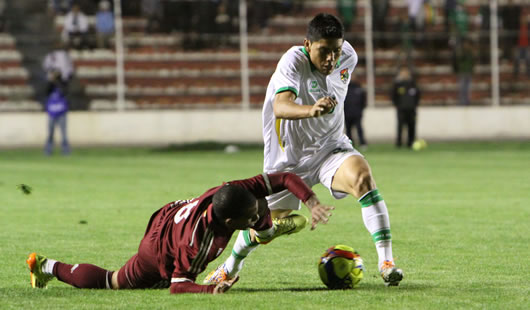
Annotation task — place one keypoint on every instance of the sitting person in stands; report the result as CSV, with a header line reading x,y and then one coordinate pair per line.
x,y
104,25
75,29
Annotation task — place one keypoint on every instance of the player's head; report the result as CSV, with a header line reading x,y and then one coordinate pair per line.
x,y
323,42
236,207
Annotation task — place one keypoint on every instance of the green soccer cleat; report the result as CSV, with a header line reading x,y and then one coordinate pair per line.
x,y
391,274
285,226
38,278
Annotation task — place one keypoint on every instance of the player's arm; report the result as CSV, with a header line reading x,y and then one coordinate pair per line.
x,y
284,107
290,181
267,184
192,287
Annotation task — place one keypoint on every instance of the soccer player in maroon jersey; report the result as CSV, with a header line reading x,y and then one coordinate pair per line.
x,y
185,235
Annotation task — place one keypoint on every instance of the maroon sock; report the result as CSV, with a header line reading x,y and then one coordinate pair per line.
x,y
83,275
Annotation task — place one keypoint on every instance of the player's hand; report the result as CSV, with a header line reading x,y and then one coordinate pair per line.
x,y
224,286
323,106
319,213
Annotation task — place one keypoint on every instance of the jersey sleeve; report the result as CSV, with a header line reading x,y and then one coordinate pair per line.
x,y
267,184
287,74
351,58
179,287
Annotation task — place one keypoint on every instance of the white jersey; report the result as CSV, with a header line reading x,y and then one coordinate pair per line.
x,y
288,143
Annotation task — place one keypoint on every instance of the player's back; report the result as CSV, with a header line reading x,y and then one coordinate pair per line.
x,y
187,236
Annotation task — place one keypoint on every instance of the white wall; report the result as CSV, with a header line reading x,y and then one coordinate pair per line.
x,y
175,126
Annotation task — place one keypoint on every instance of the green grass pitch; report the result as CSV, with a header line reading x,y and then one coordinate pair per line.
x,y
459,212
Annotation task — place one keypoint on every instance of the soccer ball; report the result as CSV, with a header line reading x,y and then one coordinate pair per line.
x,y
419,145
340,267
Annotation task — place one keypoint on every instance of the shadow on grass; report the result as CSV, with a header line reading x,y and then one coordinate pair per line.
x,y
362,287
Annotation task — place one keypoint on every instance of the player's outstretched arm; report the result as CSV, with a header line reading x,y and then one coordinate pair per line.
x,y
319,213
224,286
284,107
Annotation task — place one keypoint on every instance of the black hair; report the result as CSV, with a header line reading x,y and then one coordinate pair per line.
x,y
230,200
325,26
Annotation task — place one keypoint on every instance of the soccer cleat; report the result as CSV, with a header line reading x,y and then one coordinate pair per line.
x,y
217,276
38,278
390,274
285,226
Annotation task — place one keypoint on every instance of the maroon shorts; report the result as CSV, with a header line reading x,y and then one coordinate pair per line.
x,y
141,270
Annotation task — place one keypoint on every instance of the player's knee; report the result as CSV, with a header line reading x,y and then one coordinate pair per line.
x,y
364,182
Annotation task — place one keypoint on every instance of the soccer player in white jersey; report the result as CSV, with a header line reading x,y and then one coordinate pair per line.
x,y
303,131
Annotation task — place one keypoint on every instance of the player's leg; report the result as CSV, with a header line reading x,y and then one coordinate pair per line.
x,y
43,270
48,148
62,125
248,240
399,128
411,127
360,132
354,176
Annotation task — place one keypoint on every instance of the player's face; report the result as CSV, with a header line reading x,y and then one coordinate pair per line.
x,y
248,218
324,53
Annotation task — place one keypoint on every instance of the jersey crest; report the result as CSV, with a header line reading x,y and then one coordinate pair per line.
x,y
344,75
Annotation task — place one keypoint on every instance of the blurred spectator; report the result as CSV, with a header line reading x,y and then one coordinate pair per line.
x,y
354,105
405,52
459,20
347,10
416,15
56,107
223,24
104,25
511,23
2,14
259,12
380,10
60,6
152,11
463,64
58,61
522,52
405,97
59,70
484,33
449,8
75,29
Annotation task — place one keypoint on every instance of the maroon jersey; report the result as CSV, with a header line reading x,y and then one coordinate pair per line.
x,y
186,236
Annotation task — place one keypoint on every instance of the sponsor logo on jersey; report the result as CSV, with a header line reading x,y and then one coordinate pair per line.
x,y
344,75
313,87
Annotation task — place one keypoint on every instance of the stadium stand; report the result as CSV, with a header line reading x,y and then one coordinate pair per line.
x,y
162,73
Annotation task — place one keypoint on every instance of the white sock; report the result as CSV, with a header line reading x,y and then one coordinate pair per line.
x,y
267,233
242,248
47,267
376,220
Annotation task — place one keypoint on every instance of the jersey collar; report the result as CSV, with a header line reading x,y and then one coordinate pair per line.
x,y
313,68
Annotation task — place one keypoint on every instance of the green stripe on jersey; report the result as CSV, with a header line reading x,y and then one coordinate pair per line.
x,y
370,198
281,90
383,234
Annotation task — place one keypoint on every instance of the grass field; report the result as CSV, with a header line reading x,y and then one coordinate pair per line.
x,y
459,212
